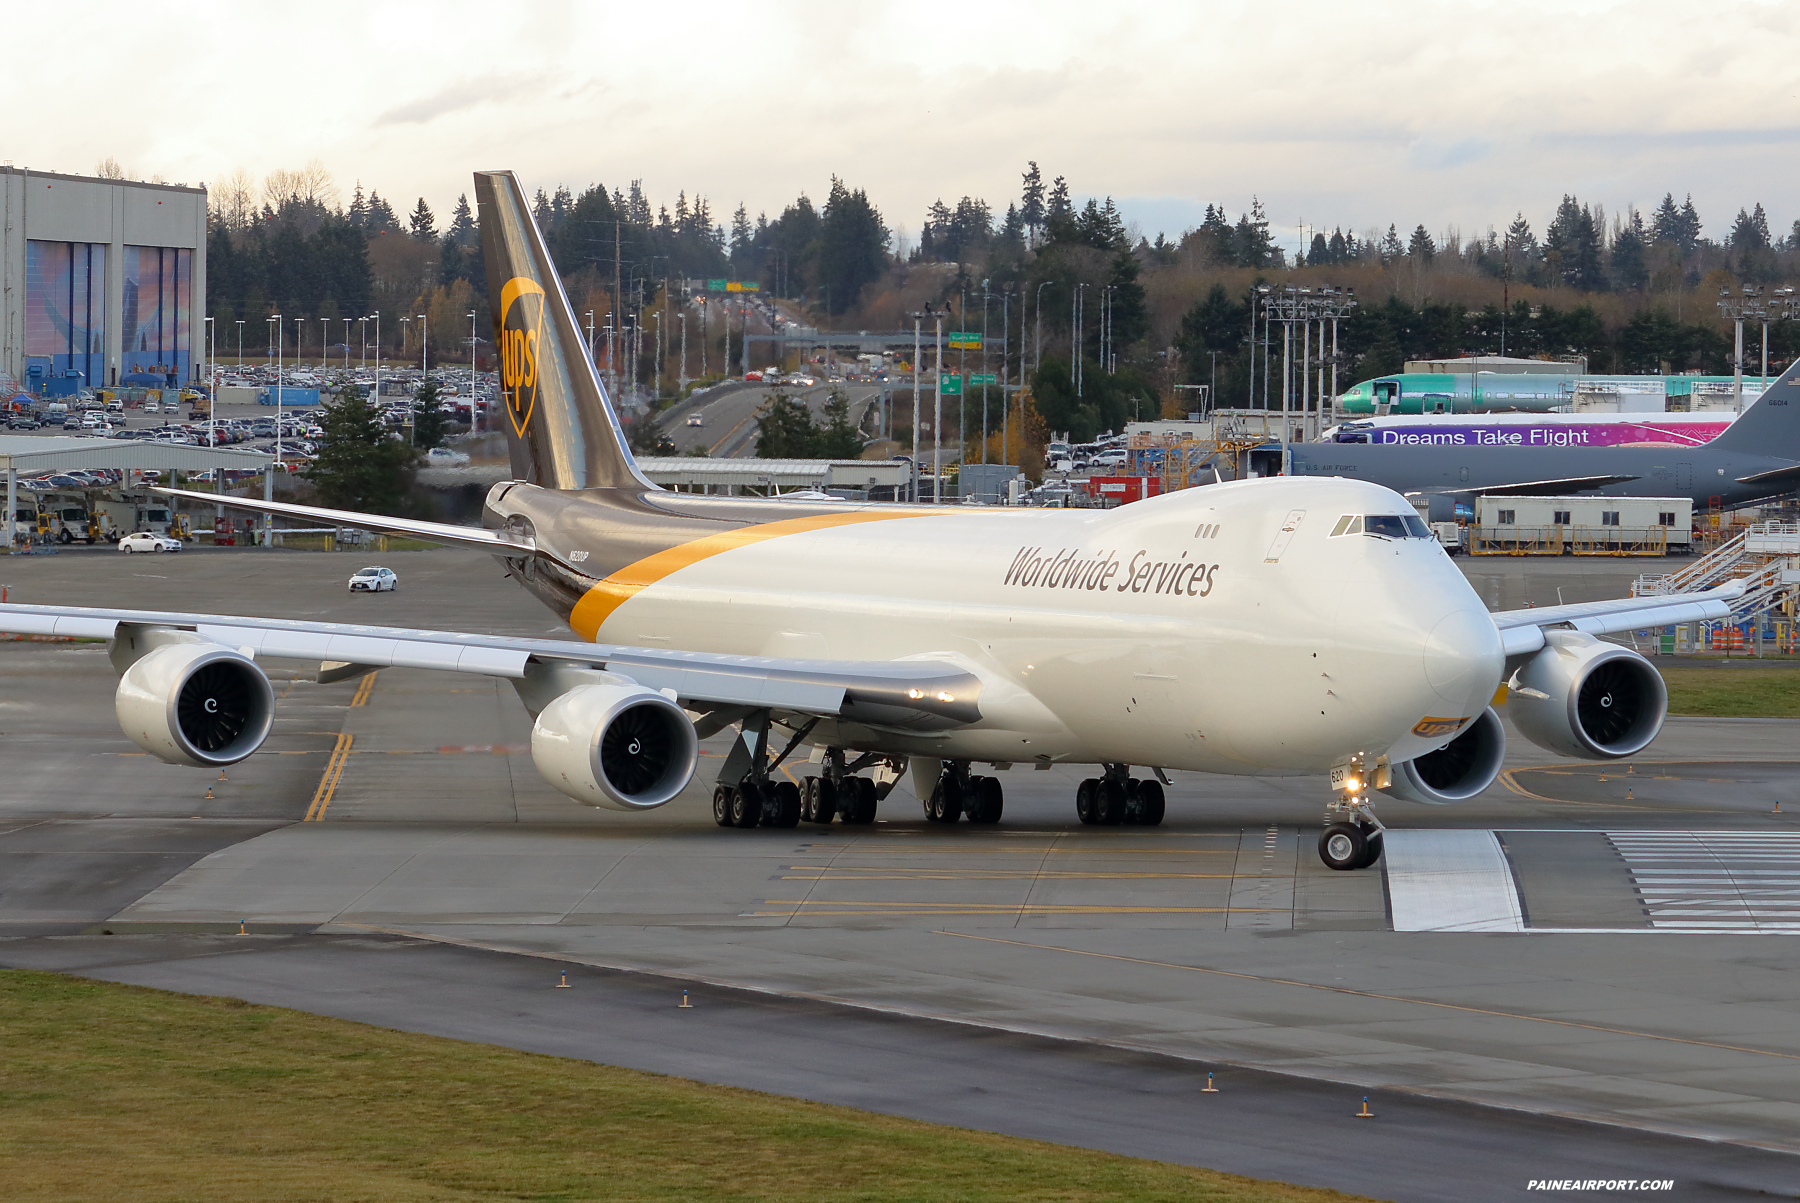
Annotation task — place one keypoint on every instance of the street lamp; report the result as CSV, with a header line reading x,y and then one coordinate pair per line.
x,y
471,369
377,316
347,322
423,344
240,361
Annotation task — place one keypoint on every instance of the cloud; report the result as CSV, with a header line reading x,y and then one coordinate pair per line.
x,y
454,98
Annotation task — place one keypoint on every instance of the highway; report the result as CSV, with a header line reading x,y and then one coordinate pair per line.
x,y
728,412
1042,978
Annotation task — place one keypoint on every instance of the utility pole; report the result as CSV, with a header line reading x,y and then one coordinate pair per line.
x,y
684,361
1751,304
984,372
937,417
1005,375
915,406
1039,358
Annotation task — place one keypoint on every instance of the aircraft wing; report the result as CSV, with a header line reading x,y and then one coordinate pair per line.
x,y
1543,488
917,694
1522,631
439,532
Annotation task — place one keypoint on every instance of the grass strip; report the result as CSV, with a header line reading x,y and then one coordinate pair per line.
x,y
1734,693
120,1092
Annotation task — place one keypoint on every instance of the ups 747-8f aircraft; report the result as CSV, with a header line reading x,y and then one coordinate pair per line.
x,y
1284,626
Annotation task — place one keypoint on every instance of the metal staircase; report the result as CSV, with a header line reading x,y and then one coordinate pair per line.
x,y
1765,556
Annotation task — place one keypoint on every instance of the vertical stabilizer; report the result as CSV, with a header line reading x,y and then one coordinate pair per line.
x,y
560,427
1770,425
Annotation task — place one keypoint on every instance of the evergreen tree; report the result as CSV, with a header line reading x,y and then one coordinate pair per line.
x,y
359,467
1690,225
1421,247
741,237
381,214
1630,269
1391,246
785,430
1031,209
1319,253
1012,229
839,438
1573,238
359,208
1251,243
1665,223
421,223
1213,325
1058,205
429,418
852,245
1338,250
540,211
462,229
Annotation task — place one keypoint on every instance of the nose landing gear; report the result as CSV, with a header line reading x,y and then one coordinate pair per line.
x,y
1352,835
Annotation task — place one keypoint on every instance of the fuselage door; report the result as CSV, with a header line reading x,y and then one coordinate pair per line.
x,y
1284,536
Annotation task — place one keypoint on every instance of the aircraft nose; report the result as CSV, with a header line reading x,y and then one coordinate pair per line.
x,y
1463,659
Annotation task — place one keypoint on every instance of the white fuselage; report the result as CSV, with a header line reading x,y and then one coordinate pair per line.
x,y
1189,631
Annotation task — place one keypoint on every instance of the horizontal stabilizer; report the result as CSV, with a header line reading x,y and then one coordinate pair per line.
x,y
1787,475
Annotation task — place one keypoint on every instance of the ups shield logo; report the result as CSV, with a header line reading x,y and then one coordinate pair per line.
x,y
1431,728
521,340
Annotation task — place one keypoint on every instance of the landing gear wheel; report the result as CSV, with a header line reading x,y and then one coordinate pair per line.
x,y
1150,803
786,805
722,805
1109,803
829,803
1084,799
857,805
987,802
1344,846
809,798
946,805
860,809
746,805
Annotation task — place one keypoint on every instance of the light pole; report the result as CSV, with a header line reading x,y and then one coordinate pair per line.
x,y
362,333
347,322
240,361
1750,305
212,377
471,369
377,316
915,409
405,342
424,345
590,318
657,317
1038,359
937,416
984,373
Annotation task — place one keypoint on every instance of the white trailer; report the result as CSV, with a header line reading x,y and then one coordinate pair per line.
x,y
1589,525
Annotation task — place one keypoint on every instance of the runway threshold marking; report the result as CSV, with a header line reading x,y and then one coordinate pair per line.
x,y
853,873
334,769
1399,998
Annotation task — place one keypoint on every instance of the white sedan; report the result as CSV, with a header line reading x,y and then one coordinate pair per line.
x,y
145,541
374,580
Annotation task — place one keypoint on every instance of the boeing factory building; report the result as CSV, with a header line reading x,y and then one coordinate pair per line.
x,y
104,278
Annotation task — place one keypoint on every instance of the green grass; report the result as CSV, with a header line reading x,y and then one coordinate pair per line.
x,y
1734,692
117,1092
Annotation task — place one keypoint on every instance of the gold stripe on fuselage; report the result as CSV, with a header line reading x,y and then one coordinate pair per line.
x,y
606,596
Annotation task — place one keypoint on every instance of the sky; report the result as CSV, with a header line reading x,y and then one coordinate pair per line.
x,y
1452,113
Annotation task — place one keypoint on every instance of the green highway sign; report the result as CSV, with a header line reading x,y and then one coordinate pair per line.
x,y
965,340
983,378
715,286
950,384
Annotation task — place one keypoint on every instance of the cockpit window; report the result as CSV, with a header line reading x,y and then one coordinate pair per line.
x,y
1396,526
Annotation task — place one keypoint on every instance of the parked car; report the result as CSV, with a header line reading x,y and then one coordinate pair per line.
x,y
374,580
145,541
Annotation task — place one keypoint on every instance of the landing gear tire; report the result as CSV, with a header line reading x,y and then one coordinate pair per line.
x,y
1109,803
722,805
946,804
988,801
816,805
859,809
1345,846
1147,804
1084,799
786,805
857,806
746,805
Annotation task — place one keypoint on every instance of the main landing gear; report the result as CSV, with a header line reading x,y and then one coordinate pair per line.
x,y
958,793
1352,835
1119,798
749,795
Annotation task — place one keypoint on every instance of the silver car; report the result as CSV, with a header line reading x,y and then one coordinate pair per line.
x,y
374,580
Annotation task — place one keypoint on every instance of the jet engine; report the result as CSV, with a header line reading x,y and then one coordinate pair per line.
x,y
615,744
198,704
1588,699
1455,772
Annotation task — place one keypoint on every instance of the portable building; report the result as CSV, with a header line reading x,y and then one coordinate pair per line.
x,y
1589,525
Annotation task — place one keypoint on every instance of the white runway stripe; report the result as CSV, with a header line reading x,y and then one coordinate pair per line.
x,y
1723,881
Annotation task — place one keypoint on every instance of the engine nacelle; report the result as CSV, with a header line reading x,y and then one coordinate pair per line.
x,y
1584,698
199,704
1455,772
615,744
